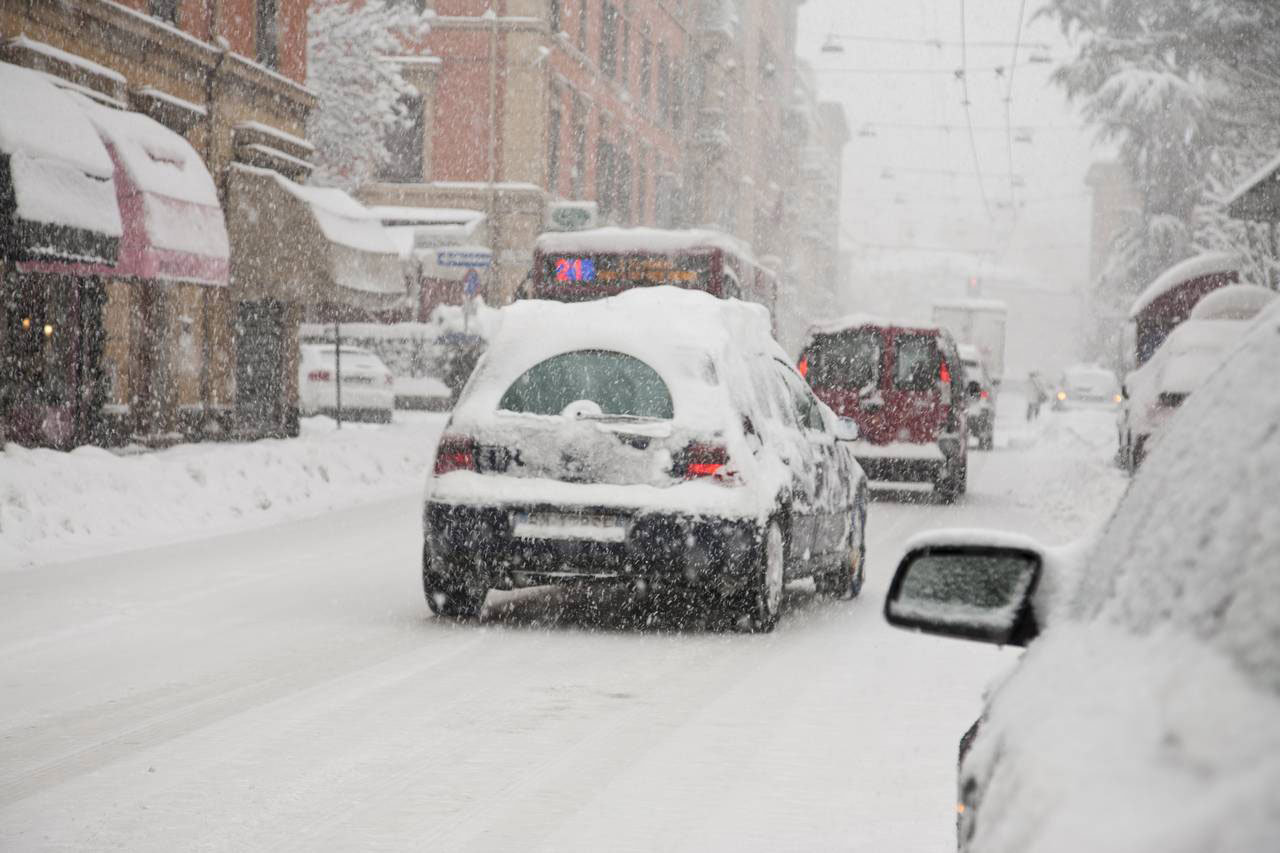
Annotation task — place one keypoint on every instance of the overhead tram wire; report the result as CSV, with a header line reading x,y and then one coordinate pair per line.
x,y
968,113
938,43
1008,107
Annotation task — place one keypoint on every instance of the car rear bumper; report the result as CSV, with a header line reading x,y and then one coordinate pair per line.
x,y
478,544
902,462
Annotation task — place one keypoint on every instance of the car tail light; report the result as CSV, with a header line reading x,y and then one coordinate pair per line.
x,y
944,374
984,394
708,460
455,453
803,367
319,376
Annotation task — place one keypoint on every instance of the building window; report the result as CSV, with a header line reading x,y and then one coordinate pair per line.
x,y
609,40
642,192
165,10
677,99
664,82
553,151
404,145
555,16
625,78
646,66
579,150
268,33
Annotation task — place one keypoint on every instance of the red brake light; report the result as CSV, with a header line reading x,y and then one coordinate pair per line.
x,y
455,453
705,460
944,374
985,394
318,376
803,367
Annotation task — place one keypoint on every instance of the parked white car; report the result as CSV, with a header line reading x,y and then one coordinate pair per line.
x,y
367,389
1154,392
658,437
1145,717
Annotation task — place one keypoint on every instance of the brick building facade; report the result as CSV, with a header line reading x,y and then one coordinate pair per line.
x,y
227,77
662,113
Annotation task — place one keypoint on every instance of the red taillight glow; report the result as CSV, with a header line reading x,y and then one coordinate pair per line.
x,y
803,367
985,394
319,376
944,374
705,460
455,453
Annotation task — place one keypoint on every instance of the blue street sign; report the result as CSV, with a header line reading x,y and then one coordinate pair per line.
x,y
471,283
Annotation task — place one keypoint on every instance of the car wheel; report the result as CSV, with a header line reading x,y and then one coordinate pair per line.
x,y
450,599
769,581
846,582
952,486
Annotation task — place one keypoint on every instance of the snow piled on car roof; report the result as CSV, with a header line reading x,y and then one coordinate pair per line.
x,y
1148,718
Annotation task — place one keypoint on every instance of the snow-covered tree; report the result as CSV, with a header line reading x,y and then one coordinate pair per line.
x,y
361,94
1190,92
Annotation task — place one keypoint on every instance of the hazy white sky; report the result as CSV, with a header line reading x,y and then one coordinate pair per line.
x,y
897,188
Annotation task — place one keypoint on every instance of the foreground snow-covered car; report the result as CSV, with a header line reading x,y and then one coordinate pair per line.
x,y
1146,714
658,436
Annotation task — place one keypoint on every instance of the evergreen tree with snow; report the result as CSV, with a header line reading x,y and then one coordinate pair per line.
x,y
1189,90
360,91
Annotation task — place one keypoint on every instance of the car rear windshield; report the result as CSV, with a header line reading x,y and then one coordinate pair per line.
x,y
848,359
619,384
915,362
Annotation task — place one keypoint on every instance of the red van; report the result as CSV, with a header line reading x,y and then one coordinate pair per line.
x,y
904,386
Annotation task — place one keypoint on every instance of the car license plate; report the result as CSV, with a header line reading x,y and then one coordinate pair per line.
x,y
593,526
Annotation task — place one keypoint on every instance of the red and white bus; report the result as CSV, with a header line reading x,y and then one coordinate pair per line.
x,y
575,266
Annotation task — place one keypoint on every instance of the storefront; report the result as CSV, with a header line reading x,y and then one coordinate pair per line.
x,y
302,254
60,229
159,305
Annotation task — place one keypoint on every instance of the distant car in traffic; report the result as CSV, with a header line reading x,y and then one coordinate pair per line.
x,y
1154,392
367,390
902,384
1146,714
658,437
1086,386
980,392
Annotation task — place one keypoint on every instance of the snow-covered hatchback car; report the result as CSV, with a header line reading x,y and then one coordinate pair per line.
x,y
658,436
1145,717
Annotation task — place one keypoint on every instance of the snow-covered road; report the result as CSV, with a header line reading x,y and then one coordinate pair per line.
x,y
285,687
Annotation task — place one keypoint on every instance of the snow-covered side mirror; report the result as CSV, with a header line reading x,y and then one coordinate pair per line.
x,y
969,589
846,429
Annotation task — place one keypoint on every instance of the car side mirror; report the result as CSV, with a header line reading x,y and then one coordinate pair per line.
x,y
975,389
846,429
969,591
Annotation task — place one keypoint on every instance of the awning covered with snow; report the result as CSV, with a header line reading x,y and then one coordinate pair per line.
x,y
57,190
173,225
310,245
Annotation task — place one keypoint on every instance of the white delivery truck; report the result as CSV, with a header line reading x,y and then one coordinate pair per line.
x,y
980,323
